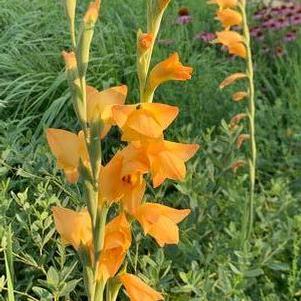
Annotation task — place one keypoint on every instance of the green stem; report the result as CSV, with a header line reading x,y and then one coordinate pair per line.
x,y
72,34
248,226
99,231
99,291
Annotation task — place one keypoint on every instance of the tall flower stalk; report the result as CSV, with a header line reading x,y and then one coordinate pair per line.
x,y
234,13
100,233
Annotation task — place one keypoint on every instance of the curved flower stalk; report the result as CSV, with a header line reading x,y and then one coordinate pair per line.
x,y
233,13
101,242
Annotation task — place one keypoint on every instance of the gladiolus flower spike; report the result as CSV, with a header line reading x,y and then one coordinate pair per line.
x,y
232,13
101,234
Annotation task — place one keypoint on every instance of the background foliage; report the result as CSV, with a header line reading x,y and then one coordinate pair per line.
x,y
205,265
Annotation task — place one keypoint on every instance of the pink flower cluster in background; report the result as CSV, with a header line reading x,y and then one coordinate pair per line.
x,y
184,16
276,26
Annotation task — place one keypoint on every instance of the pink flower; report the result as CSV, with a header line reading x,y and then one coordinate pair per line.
x,y
205,36
282,23
270,24
257,33
296,20
183,20
290,36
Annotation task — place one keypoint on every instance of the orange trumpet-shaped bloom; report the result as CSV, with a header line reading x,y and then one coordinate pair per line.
x,y
233,41
224,3
137,290
122,179
160,222
167,159
68,148
99,105
142,121
116,244
74,227
229,17
169,69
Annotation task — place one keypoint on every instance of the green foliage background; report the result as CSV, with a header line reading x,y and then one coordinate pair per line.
x,y
205,266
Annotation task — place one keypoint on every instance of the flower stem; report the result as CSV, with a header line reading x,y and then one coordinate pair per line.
x,y
249,210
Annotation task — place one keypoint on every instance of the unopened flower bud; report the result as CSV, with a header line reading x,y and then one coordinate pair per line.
x,y
241,139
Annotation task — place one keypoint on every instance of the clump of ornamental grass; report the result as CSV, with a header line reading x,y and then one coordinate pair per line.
x,y
232,15
102,242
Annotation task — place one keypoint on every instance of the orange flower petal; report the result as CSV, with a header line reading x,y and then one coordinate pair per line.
x,y
132,200
224,3
122,179
74,227
143,123
147,120
169,69
167,160
99,104
160,222
112,96
229,17
117,241
238,49
228,37
66,148
137,290
164,114
164,232
122,113
231,79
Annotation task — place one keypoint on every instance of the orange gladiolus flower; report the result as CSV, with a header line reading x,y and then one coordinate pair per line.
x,y
68,148
224,3
142,121
161,222
167,159
116,244
137,290
233,41
74,227
122,179
99,105
229,17
169,69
